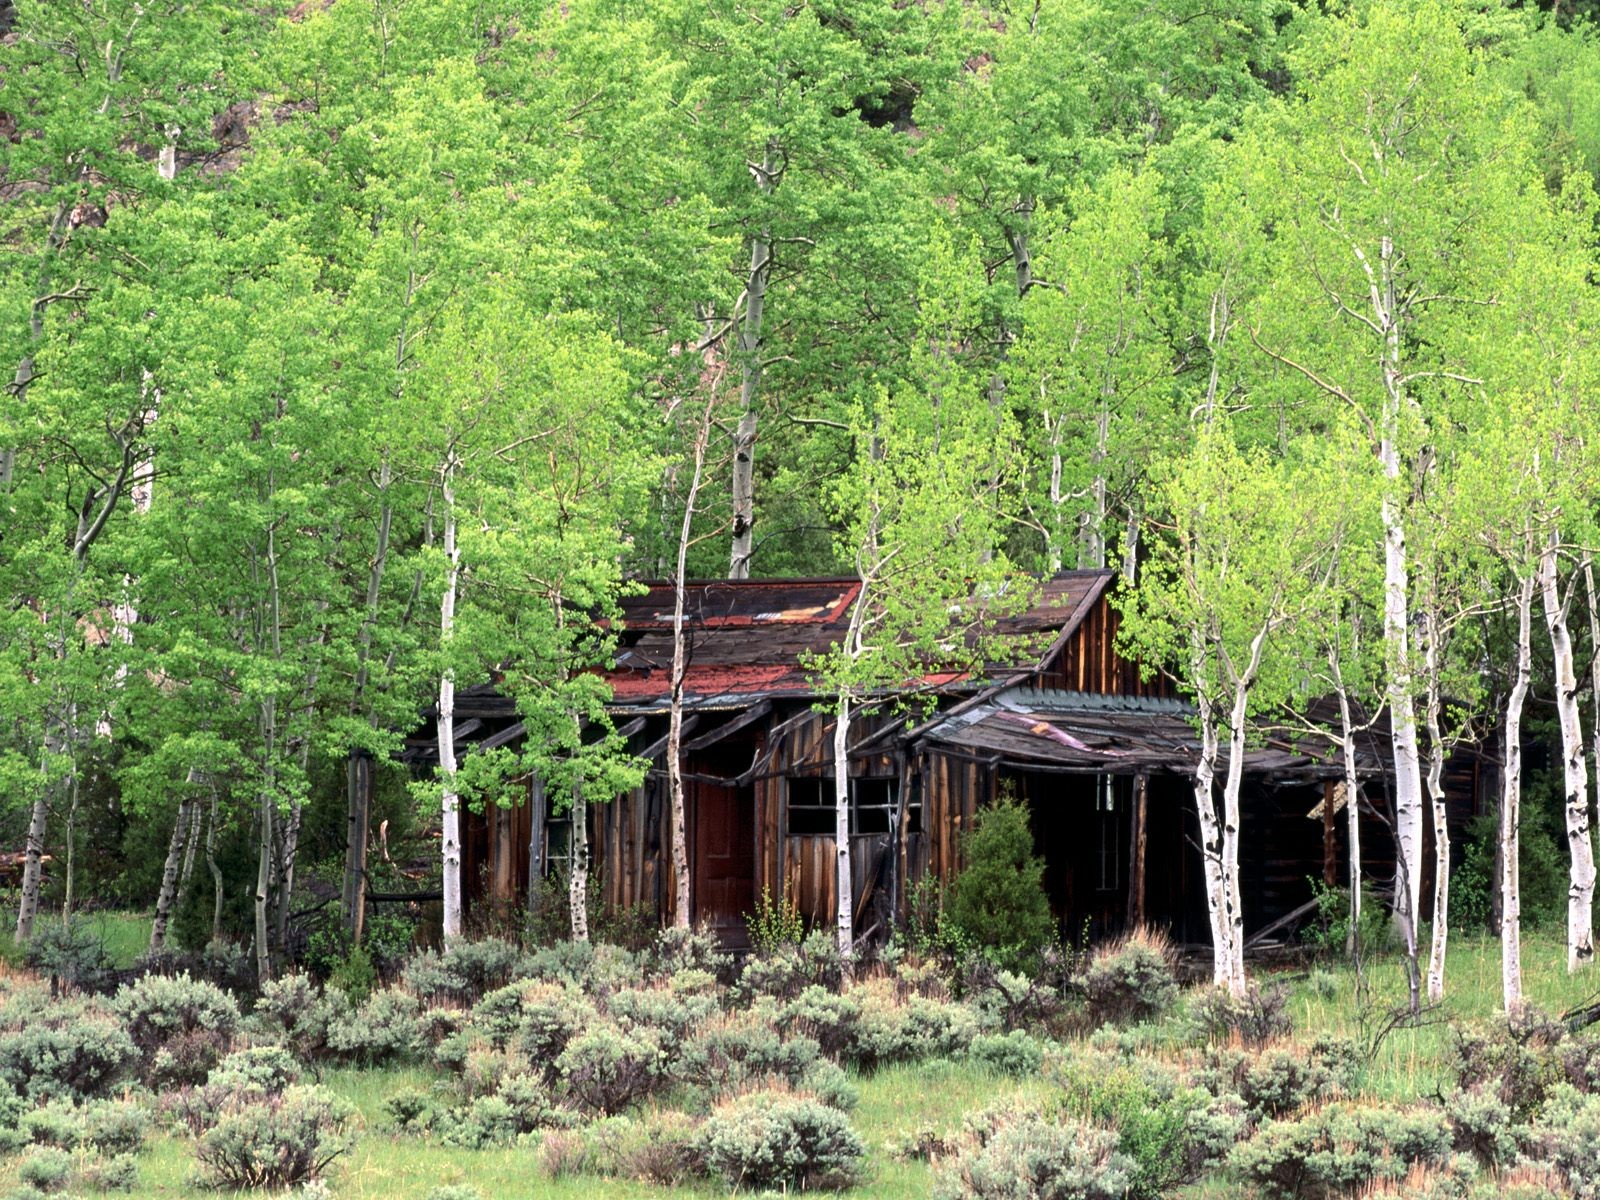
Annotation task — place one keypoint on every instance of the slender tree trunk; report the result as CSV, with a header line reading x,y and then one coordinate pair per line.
x,y
1580,843
450,802
1234,912
681,898
191,846
1352,807
578,882
845,916
1510,805
218,884
69,889
268,803
750,367
358,766
1211,855
1441,816
166,897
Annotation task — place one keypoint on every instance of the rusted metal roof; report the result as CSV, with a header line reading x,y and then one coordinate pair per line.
x,y
750,639
1041,729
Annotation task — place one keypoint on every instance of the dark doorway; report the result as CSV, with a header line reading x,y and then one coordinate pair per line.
x,y
724,844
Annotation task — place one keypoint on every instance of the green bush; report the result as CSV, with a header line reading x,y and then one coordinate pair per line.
x,y
1013,1152
293,1010
274,1141
57,1124
1281,1080
733,1052
260,1068
1167,1131
182,1026
775,924
1015,1053
1260,1016
606,1068
387,1029
774,1140
74,952
45,1168
115,1127
664,1012
465,971
690,950
119,1173
1566,1138
998,901
832,1021
81,1057
1129,980
1329,930
1340,1148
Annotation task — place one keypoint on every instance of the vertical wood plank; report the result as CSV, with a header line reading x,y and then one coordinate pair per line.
x,y
1141,827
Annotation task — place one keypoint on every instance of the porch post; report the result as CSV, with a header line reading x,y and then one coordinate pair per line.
x,y
1141,790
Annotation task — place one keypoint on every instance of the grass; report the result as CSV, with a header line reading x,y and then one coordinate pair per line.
x,y
897,1100
125,935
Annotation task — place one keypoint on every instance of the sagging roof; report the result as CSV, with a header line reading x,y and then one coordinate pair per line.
x,y
1050,730
749,639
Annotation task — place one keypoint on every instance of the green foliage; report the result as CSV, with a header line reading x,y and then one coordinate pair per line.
x,y
1330,931
1340,1148
277,1140
605,1068
998,901
774,924
773,1140
1129,981
75,1056
1015,1053
1259,1016
1017,1153
181,1025
46,1168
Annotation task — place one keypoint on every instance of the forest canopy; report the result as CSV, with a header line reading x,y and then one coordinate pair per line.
x,y
362,347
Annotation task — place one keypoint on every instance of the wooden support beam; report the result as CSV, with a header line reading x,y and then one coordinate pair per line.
x,y
1330,846
1141,825
728,728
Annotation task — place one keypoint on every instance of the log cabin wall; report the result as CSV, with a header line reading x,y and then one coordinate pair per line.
x,y
802,867
1089,661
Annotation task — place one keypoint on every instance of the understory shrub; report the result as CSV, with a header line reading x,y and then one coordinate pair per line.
x,y
658,1146
1341,1147
79,1057
295,1012
1013,1152
776,1140
274,1141
998,902
45,1168
1168,1131
606,1068
1129,980
465,971
389,1028
1259,1016
182,1026
119,1173
1015,1053
1282,1079
1566,1139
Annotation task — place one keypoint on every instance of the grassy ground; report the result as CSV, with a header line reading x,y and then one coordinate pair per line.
x,y
899,1100
125,935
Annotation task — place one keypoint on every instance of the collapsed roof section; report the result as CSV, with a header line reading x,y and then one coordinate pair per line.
x,y
1033,729
749,640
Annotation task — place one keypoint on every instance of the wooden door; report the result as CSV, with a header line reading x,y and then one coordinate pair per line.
x,y
724,865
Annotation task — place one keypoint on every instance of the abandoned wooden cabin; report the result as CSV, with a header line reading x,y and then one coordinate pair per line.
x,y
1103,757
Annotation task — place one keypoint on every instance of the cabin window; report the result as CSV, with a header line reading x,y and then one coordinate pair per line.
x,y
810,807
558,841
872,806
1108,820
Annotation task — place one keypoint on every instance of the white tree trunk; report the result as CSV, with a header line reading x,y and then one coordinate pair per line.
x,y
578,883
1211,856
750,367
681,898
1352,807
217,882
1441,814
845,916
1510,803
170,872
1234,912
450,807
1580,842
267,803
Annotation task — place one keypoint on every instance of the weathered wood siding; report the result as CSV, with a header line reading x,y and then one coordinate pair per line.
x,y
1089,661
